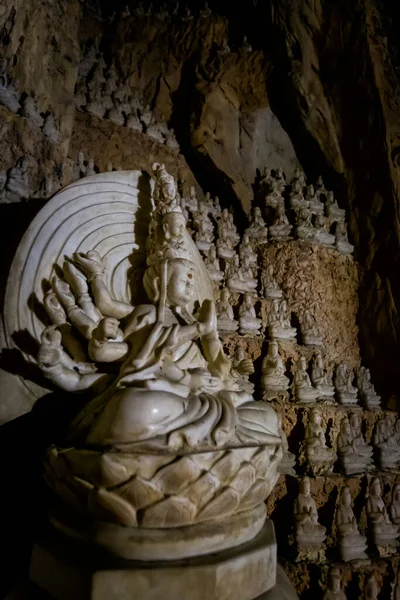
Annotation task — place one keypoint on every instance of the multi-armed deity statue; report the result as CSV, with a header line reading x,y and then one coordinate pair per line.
x,y
171,437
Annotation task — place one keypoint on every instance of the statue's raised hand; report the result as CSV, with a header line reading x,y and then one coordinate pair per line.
x,y
207,318
54,309
75,279
63,292
90,263
245,367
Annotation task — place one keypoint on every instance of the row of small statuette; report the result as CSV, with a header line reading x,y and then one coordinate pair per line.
x,y
316,215
354,454
318,385
382,525
371,589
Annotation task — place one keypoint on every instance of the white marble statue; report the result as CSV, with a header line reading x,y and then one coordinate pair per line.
x,y
191,201
346,393
296,198
288,461
246,249
304,227
274,198
273,380
280,228
298,177
269,287
279,321
204,236
266,179
394,509
332,208
386,444
213,265
239,276
320,458
310,535
305,392
225,318
341,240
334,591
248,322
173,436
308,330
227,228
9,96
354,454
225,246
352,545
280,178
320,188
320,379
17,185
314,203
384,533
367,391
257,230
90,168
50,129
79,169
321,231
242,368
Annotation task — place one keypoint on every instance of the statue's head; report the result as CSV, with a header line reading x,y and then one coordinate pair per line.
x,y
225,294
270,270
315,417
334,579
246,239
310,190
330,196
240,353
345,427
216,201
279,172
225,214
207,196
318,360
248,298
305,486
176,281
212,252
297,186
354,421
273,349
375,487
345,497
192,191
275,306
246,261
320,181
257,212
173,224
236,260
302,363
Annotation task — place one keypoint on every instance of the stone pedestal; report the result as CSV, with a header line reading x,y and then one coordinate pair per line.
x,y
70,571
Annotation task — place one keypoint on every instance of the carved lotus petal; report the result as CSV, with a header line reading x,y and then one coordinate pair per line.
x,y
140,493
201,491
261,461
226,467
255,495
176,476
223,505
107,506
243,479
172,512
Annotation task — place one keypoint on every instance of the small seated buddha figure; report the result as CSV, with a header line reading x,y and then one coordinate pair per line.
x,y
192,202
332,209
266,179
280,179
225,246
208,203
298,177
314,203
280,228
246,249
274,198
334,591
310,535
346,393
233,230
242,368
319,378
319,457
225,318
17,186
288,461
239,276
273,379
394,509
279,322
371,589
386,444
351,460
352,545
363,449
366,389
321,233
212,264
384,533
320,189
248,322
308,330
305,392
304,227
269,287
341,240
205,229
257,229
216,208
296,198
224,224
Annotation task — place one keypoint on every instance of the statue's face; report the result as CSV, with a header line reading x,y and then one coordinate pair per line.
x,y
175,225
376,488
181,285
305,487
212,252
346,498
274,349
303,364
257,212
